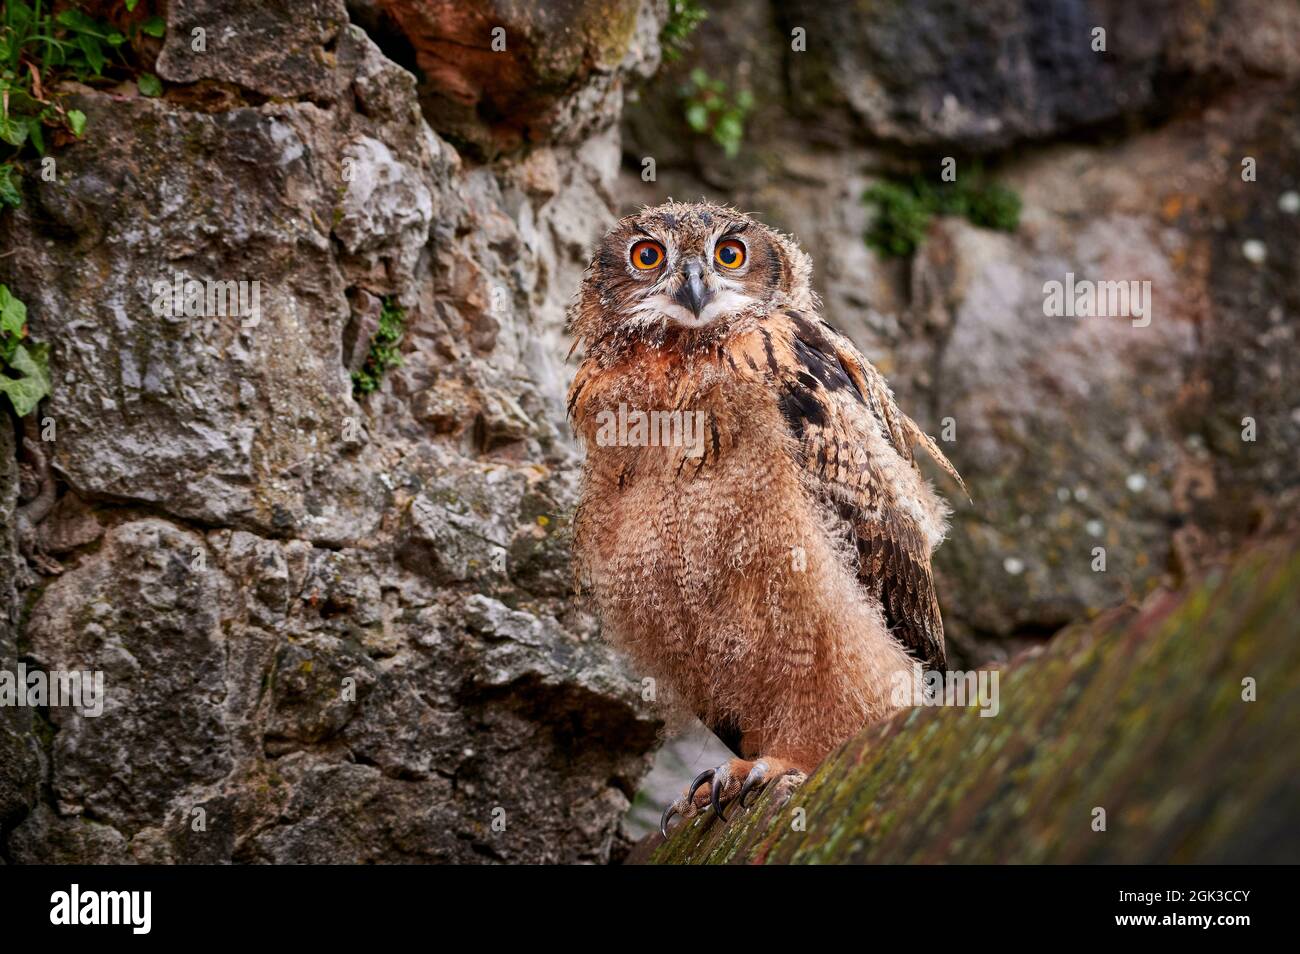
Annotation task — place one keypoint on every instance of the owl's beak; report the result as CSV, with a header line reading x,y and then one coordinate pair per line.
x,y
693,294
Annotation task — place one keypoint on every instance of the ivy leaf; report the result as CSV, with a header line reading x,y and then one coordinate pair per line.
x,y
130,5
149,84
697,116
9,194
76,20
30,380
13,313
12,132
94,55
76,122
729,132
154,26
35,134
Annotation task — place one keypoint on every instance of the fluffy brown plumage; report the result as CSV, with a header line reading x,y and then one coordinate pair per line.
x,y
773,574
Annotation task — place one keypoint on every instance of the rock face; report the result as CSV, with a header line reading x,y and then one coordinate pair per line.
x,y
20,765
947,73
332,628
1160,442
1168,721
501,75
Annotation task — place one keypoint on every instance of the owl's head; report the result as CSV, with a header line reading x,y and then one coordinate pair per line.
x,y
695,267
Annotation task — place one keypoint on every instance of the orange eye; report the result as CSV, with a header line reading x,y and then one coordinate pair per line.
x,y
730,254
647,255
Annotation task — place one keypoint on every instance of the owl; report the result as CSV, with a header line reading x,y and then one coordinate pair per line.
x,y
752,528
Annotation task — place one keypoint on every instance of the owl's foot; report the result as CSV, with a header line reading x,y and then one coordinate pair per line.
x,y
736,781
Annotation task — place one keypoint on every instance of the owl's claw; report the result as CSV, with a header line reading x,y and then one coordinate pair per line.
x,y
665,818
715,795
756,779
700,780
684,806
727,787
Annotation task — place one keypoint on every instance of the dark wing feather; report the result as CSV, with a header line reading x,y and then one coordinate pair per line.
x,y
830,397
895,566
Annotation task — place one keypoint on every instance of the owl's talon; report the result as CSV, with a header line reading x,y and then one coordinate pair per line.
x,y
665,818
699,780
715,794
685,806
726,787
754,781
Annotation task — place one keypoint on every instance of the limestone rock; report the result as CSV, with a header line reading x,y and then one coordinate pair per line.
x,y
277,48
20,756
943,73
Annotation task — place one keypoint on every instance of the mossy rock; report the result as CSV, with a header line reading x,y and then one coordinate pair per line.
x,y
1142,714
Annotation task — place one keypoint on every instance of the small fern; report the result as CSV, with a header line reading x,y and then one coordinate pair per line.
x,y
684,17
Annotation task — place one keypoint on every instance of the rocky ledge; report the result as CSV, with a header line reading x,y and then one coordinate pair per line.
x,y
1145,736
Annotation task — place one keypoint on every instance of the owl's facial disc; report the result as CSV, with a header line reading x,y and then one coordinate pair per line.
x,y
695,287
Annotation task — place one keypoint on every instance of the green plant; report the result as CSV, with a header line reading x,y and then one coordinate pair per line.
x,y
24,365
900,221
684,16
711,109
904,208
383,354
994,207
38,49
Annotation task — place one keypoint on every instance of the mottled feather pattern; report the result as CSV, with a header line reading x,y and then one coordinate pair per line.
x,y
891,510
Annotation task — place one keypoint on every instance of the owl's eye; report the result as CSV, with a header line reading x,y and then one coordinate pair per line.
x,y
730,254
647,255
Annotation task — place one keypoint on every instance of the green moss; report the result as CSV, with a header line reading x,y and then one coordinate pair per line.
x,y
904,208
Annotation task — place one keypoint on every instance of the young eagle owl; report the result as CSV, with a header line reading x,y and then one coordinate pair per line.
x,y
762,545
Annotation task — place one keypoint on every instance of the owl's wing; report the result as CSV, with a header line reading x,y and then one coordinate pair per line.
x,y
843,415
